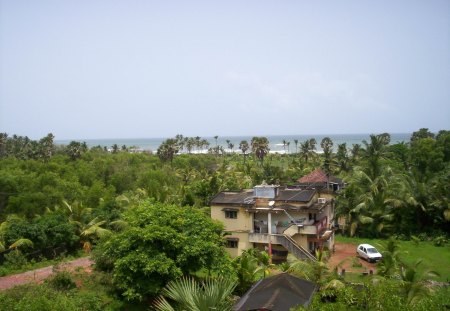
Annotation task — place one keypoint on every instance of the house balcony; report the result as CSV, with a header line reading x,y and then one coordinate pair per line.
x,y
264,238
316,228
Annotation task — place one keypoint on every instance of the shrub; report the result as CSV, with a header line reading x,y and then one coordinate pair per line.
x,y
15,259
440,240
62,280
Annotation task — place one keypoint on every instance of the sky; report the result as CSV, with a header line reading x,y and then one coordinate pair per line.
x,y
136,69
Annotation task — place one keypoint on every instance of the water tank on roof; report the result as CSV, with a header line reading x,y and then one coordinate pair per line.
x,y
265,191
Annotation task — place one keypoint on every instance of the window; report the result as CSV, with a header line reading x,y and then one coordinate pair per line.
x,y
232,243
231,214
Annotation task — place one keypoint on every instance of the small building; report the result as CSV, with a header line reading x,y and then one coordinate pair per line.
x,y
278,219
321,181
277,293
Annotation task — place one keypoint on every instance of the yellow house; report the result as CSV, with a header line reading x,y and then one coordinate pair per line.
x,y
277,219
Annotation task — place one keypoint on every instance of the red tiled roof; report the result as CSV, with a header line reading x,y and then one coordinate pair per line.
x,y
316,176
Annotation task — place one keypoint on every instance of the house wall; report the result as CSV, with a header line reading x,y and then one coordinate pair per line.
x,y
301,239
243,222
243,243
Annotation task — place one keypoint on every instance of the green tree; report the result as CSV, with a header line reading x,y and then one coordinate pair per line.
x,y
168,149
420,134
243,145
260,147
161,243
248,270
375,151
327,148
342,158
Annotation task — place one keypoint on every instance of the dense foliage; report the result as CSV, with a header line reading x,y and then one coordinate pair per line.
x,y
160,243
146,212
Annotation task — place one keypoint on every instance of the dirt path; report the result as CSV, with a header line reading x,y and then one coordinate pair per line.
x,y
344,255
39,275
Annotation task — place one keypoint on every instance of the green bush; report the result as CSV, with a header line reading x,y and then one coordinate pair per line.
x,y
15,259
36,298
62,280
440,240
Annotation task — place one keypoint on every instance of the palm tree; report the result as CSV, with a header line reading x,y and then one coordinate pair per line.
x,y
375,150
327,147
312,144
288,143
215,137
413,283
167,150
243,145
342,157
284,145
356,149
248,270
391,258
187,294
91,232
180,141
19,243
260,147
88,230
314,271
377,201
305,150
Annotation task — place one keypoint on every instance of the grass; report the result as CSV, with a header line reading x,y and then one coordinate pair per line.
x,y
435,258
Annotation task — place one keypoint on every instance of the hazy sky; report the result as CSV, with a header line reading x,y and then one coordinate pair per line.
x,y
118,69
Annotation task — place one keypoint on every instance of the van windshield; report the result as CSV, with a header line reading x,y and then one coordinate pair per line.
x,y
372,250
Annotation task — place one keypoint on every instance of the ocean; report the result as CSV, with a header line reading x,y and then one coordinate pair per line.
x,y
276,141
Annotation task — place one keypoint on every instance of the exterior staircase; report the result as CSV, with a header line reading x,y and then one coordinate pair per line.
x,y
295,249
283,239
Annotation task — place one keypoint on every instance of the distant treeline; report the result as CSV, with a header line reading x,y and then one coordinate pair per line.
x,y
392,189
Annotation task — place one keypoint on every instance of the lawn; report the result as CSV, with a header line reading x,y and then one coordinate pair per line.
x,y
434,257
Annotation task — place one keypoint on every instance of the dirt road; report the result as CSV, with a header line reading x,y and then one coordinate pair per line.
x,y
345,256
39,275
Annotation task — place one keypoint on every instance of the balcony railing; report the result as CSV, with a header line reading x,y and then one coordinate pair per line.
x,y
315,228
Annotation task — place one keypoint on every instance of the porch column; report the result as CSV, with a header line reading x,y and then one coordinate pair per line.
x,y
269,222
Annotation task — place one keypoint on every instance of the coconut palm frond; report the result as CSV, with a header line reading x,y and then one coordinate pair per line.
x,y
102,232
388,217
68,206
119,225
161,304
189,295
365,219
21,243
334,284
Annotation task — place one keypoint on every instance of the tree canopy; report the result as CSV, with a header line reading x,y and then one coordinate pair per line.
x,y
161,242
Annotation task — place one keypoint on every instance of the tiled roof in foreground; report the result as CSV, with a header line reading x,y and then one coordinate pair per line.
x,y
279,292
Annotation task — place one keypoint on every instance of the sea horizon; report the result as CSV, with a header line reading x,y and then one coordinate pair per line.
x,y
275,141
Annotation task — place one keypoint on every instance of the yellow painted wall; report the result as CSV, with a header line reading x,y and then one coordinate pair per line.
x,y
243,243
301,240
243,222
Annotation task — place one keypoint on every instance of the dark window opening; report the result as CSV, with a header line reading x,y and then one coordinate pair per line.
x,y
232,244
231,214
